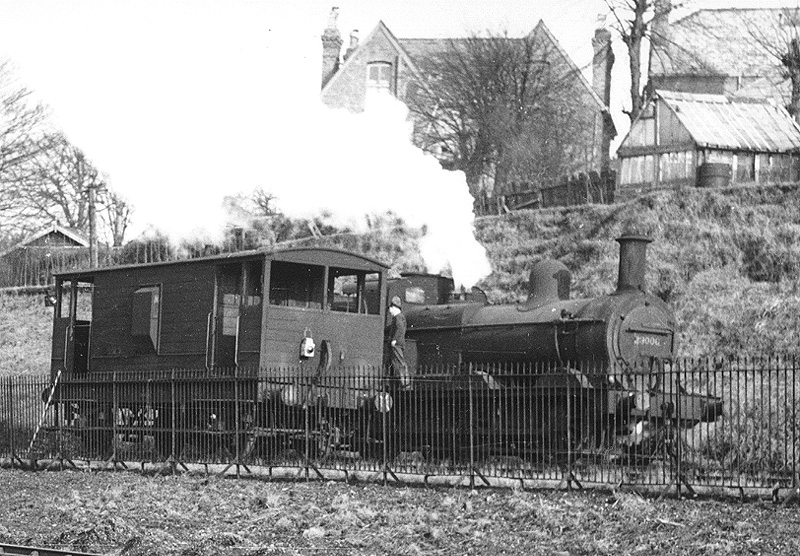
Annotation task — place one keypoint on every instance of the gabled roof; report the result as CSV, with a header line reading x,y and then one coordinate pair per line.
x,y
715,121
412,50
55,228
420,48
380,29
723,42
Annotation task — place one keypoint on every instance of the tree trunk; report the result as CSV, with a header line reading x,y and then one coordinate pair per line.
x,y
633,40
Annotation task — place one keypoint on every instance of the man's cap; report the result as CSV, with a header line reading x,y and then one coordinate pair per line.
x,y
396,302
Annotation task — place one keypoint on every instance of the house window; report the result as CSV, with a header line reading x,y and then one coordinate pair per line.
x,y
379,77
146,315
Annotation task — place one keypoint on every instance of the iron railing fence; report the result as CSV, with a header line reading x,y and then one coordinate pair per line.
x,y
717,423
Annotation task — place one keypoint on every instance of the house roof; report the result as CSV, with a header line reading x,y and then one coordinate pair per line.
x,y
380,29
415,49
55,228
420,48
718,122
724,42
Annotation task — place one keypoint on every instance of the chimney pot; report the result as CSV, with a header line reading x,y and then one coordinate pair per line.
x,y
353,44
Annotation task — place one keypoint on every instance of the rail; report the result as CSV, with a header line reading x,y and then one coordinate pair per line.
x,y
39,551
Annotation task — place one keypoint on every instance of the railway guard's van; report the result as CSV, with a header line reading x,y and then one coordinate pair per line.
x,y
255,310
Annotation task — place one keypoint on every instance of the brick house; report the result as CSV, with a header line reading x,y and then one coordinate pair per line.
x,y
383,63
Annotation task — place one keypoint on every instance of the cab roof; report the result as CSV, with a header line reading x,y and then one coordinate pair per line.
x,y
327,256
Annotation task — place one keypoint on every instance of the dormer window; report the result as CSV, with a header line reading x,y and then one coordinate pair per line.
x,y
379,77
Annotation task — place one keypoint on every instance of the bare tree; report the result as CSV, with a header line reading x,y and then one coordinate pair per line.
x,y
635,21
55,185
116,214
490,105
777,34
22,125
264,202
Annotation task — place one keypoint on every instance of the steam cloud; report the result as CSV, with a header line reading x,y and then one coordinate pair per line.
x,y
362,164
180,123
348,165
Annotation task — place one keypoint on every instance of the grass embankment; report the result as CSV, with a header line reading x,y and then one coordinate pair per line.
x,y
127,513
26,330
727,260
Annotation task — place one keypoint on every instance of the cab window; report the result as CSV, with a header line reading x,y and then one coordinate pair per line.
x,y
296,285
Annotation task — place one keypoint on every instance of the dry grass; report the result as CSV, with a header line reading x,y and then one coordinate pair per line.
x,y
127,513
26,329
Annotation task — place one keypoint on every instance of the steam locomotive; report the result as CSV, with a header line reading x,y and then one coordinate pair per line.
x,y
591,371
285,348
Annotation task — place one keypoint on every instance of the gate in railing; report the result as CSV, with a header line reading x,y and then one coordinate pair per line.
x,y
714,423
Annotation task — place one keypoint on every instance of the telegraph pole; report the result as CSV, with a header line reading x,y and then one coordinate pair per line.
x,y
92,226
91,187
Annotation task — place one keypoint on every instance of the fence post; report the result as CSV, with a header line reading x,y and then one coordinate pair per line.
x,y
384,433
471,430
172,415
678,451
114,413
236,415
59,417
570,411
307,448
794,423
11,421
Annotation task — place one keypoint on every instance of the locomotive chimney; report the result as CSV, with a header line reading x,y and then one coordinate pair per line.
x,y
632,262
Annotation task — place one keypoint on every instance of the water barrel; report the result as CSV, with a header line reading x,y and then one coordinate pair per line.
x,y
714,174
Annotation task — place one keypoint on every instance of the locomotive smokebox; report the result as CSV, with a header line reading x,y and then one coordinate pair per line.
x,y
632,262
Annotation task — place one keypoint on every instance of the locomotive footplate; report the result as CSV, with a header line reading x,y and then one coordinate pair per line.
x,y
686,408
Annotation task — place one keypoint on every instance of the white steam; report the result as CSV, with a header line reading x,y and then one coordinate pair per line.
x,y
350,166
360,164
225,98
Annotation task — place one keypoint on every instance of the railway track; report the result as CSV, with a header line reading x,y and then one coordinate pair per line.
x,y
39,551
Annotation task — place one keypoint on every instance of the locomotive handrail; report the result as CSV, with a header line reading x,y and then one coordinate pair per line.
x,y
208,334
651,329
236,344
66,343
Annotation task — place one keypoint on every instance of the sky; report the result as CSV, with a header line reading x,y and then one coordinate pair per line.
x,y
179,102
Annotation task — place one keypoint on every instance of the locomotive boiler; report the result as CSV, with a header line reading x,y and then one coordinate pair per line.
x,y
622,329
613,336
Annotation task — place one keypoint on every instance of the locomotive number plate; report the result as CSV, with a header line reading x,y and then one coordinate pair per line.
x,y
648,340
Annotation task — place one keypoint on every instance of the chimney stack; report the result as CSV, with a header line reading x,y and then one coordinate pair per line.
x,y
602,63
353,44
331,47
632,262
